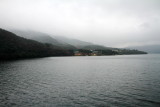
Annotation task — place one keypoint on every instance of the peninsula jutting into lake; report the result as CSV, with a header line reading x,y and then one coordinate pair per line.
x,y
12,46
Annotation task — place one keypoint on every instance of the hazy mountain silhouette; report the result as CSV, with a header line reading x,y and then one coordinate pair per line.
x,y
147,48
43,38
75,42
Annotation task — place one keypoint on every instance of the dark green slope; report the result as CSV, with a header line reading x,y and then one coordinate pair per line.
x,y
14,47
95,47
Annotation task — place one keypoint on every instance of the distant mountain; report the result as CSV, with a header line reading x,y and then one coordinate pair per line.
x,y
147,48
75,42
43,38
15,47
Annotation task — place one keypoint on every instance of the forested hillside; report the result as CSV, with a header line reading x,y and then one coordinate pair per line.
x,y
14,47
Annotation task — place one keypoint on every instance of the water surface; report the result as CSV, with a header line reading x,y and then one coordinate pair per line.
x,y
100,81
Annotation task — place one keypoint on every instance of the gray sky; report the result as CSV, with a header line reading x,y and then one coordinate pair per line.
x,y
116,23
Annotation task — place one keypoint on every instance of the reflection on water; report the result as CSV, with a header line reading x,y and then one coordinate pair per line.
x,y
123,81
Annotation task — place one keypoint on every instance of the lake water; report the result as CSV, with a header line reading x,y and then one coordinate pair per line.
x,y
87,81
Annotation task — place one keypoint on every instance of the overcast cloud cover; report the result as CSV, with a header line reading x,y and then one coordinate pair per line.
x,y
116,23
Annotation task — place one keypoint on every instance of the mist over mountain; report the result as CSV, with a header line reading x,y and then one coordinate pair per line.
x,y
43,38
61,41
35,35
75,42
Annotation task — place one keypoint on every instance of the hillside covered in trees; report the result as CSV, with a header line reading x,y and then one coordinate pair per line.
x,y
15,47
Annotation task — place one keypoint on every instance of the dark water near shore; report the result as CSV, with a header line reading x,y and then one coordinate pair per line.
x,y
103,81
